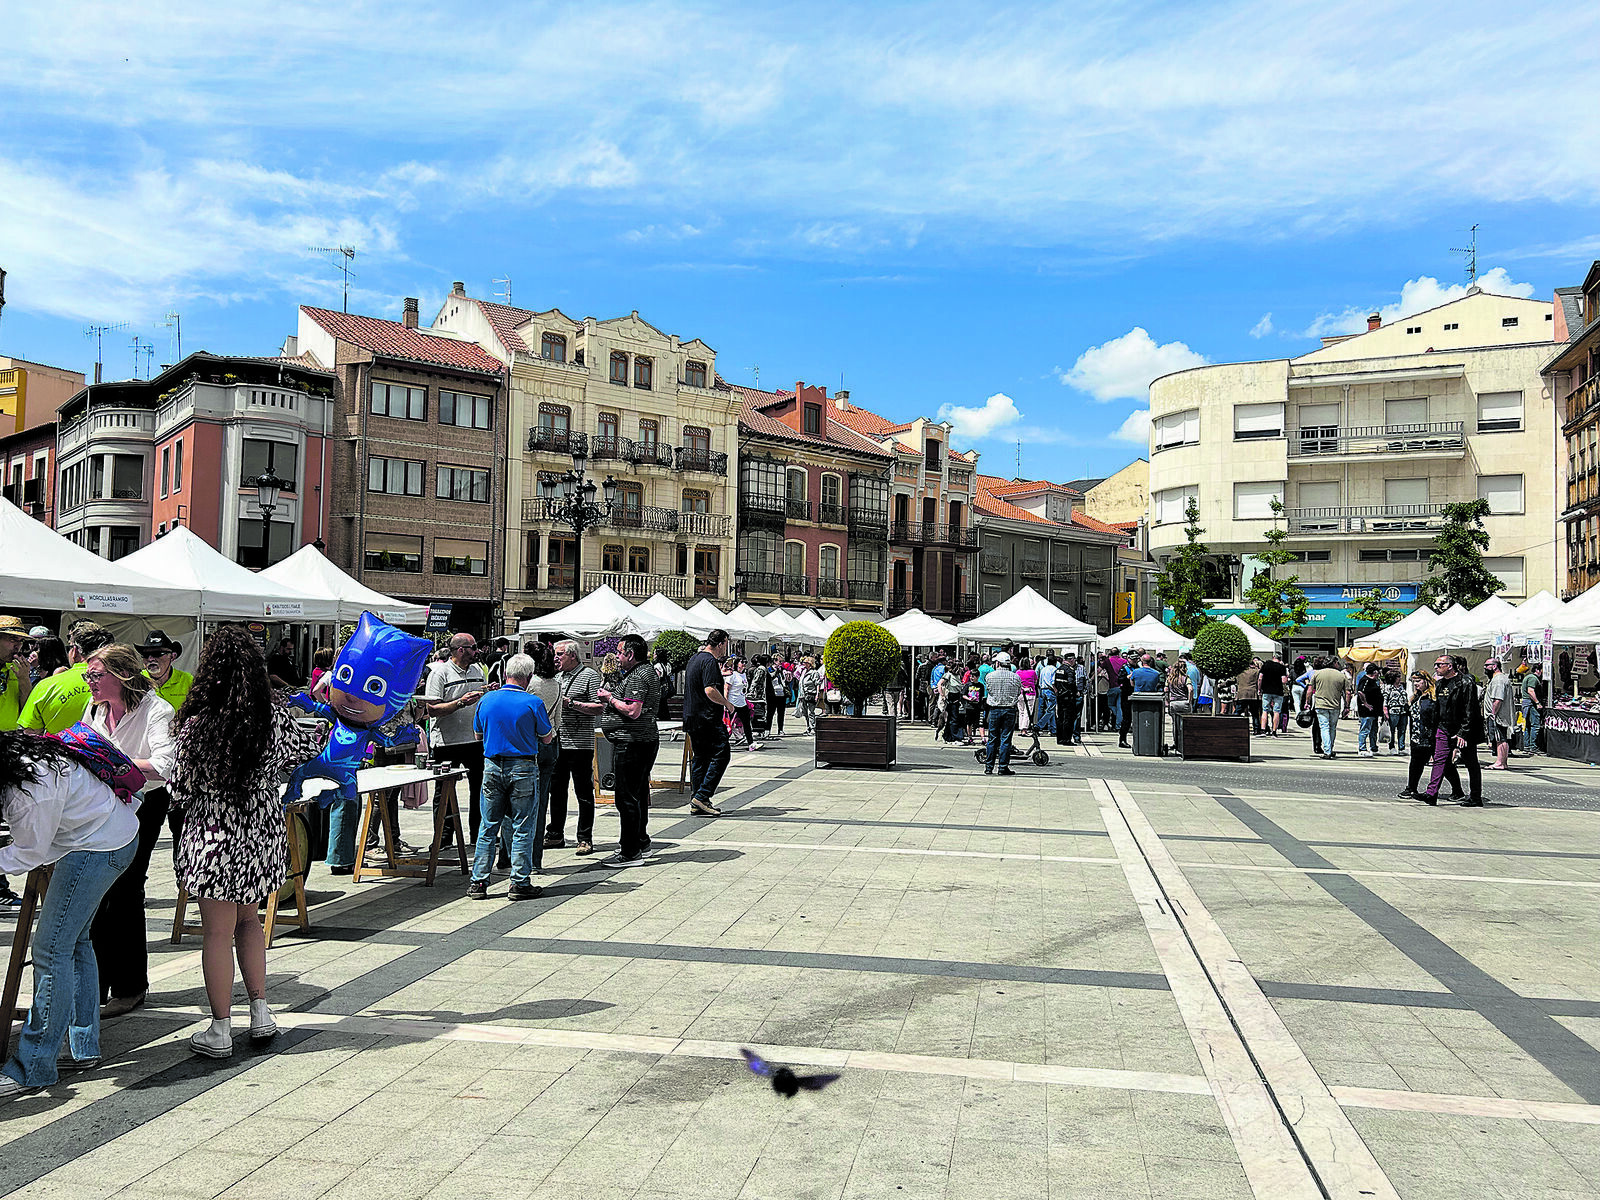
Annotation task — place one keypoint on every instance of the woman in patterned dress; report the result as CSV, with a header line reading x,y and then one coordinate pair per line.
x,y
234,745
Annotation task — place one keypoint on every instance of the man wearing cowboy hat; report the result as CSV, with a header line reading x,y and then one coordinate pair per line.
x,y
15,683
159,651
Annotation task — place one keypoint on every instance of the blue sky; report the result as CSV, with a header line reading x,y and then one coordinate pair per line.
x,y
1014,216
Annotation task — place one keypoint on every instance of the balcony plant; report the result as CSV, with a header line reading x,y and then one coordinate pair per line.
x,y
861,658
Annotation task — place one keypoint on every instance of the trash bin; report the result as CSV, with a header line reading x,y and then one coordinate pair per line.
x,y
1146,724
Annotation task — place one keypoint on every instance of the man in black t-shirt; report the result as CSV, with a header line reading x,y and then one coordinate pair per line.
x,y
704,702
1273,674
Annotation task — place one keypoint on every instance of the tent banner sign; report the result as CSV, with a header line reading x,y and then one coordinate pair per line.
x,y
439,617
1572,733
278,609
102,601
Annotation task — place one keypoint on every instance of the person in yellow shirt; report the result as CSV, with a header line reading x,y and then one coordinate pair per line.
x,y
59,702
15,682
159,652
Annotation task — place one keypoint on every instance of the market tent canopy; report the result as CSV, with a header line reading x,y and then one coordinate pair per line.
x,y
711,617
1479,627
602,611
1028,617
793,630
748,618
832,621
308,570
227,590
916,628
41,569
1147,633
1433,634
1567,623
1393,637
812,624
1259,642
660,613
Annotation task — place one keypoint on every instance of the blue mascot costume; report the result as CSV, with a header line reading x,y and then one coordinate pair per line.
x,y
373,678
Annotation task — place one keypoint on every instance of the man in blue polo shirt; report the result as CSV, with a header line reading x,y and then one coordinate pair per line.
x,y
512,723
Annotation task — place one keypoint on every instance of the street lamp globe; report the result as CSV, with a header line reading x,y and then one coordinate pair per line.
x,y
268,486
611,490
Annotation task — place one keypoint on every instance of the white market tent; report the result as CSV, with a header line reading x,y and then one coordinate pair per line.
x,y
1568,623
660,613
746,617
226,590
1029,617
308,570
832,621
916,628
711,617
1259,642
1429,635
602,611
812,624
793,631
41,569
1147,633
1393,638
1480,626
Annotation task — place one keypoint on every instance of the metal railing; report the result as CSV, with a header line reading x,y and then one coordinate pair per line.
x,y
1033,568
656,520
638,584
901,599
994,564
865,589
868,522
1369,518
797,510
830,514
766,583
767,512
932,533
647,454
959,604
609,447
830,589
1378,439
689,459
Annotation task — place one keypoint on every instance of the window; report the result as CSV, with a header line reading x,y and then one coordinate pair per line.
x,y
608,432
794,559
1252,421
562,565
250,552
649,435
639,560
1405,415
1319,428
177,468
395,476
1253,501
813,418
697,439
632,497
1170,505
397,400
1499,412
97,477
832,488
1406,492
462,483
1318,495
868,562
1450,325
453,556
611,558
1508,571
707,570
258,455
643,372
932,454
870,494
795,481
391,552
696,501
553,347
125,540
1176,429
1503,492
619,368
469,412
1311,556
1508,322
1413,328
127,477
166,470
828,563
694,373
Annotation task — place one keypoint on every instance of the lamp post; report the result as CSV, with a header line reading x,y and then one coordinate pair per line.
x,y
1235,572
267,485
576,506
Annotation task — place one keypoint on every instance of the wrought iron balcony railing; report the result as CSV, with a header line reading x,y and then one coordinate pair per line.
x,y
865,589
1368,518
797,510
638,584
1446,436
830,514
830,589
690,459
901,599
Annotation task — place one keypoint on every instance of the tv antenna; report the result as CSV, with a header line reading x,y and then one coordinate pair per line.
x,y
1471,251
1019,458
756,371
175,323
505,295
346,264
137,345
98,333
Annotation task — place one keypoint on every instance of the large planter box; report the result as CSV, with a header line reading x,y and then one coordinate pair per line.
x,y
856,741
1212,737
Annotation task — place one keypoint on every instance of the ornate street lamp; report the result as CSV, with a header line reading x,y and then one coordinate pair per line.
x,y
268,486
576,506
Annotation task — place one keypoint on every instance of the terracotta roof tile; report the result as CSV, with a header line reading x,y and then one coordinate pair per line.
x,y
504,319
1099,526
394,340
996,506
862,421
757,421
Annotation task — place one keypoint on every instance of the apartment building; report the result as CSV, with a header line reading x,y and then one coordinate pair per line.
x,y
418,460
28,464
30,393
1363,441
813,506
616,399
1573,376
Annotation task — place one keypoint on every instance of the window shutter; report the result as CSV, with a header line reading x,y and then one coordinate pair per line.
x,y
1398,413
1258,420
1508,571
1318,416
1503,492
1253,501
1319,495
1499,411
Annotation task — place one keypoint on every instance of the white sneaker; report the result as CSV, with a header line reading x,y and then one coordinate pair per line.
x,y
10,1088
263,1027
215,1041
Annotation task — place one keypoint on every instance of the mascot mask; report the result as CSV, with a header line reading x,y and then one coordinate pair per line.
x,y
376,672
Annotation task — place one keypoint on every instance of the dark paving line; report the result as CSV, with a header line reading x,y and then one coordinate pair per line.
x,y
954,825
1337,993
1560,1051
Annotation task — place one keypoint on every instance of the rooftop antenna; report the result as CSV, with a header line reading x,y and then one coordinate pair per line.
x,y
1471,251
505,295
175,323
98,333
2,289
149,360
137,346
346,267
1019,458
756,370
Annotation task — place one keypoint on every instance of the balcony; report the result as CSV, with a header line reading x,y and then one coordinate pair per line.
x,y
647,454
830,589
1439,439
929,533
1409,519
901,599
556,441
830,514
1061,571
637,585
655,520
776,583
690,459
993,564
608,447
961,604
797,510
762,512
865,589
706,525
1582,400
1033,568
871,523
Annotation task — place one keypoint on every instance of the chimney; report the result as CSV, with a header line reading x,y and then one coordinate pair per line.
x,y
458,288
841,400
1374,320
410,319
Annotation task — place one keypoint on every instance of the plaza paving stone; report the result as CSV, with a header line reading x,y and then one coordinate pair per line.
x,y
1078,981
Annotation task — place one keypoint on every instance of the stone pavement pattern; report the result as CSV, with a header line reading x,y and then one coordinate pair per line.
x,y
1105,978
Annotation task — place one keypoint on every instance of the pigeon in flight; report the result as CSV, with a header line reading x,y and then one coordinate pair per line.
x,y
784,1081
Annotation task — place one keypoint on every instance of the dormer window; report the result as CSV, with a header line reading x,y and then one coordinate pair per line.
x,y
553,348
1508,322
932,454
643,369
814,418
694,373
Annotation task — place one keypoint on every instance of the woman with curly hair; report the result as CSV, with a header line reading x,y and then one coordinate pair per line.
x,y
60,813
234,743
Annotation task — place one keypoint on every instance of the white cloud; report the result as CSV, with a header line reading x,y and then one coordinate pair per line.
x,y
1122,368
1416,295
1262,327
975,424
1136,429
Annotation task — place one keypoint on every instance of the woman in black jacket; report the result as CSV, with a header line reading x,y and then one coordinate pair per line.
x,y
1424,727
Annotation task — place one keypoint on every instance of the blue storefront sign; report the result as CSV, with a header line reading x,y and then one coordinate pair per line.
x,y
1354,593
1325,617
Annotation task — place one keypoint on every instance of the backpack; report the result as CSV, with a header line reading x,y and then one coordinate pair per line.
x,y
669,680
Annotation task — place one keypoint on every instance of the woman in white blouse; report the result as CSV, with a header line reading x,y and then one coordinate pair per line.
x,y
125,710
59,812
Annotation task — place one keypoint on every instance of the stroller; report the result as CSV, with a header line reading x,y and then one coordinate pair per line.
x,y
1036,753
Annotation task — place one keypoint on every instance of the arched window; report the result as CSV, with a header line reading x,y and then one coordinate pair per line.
x,y
611,558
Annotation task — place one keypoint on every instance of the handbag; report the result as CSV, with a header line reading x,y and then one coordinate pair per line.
x,y
835,695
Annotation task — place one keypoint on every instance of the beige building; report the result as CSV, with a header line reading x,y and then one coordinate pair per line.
x,y
1363,441
646,410
31,392
1119,499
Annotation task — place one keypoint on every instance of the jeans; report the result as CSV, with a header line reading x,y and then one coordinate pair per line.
x,y
578,766
1114,699
66,978
632,762
1530,715
1367,735
1399,723
709,758
808,710
344,818
1047,710
510,792
121,942
1328,726
1002,724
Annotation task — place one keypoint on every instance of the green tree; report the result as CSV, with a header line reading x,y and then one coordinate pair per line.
x,y
1456,574
678,645
1221,651
1181,584
1281,606
1370,612
861,658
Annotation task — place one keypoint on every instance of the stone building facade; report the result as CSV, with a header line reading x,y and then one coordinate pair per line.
x,y
1573,375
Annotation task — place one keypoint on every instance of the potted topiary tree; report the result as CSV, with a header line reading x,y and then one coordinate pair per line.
x,y
678,646
1221,651
861,658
